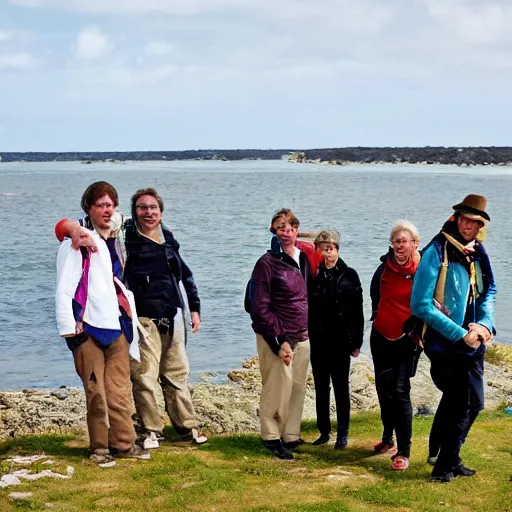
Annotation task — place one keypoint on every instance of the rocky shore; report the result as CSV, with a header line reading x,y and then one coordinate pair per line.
x,y
463,157
233,407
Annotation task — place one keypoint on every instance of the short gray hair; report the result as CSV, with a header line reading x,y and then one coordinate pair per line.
x,y
405,225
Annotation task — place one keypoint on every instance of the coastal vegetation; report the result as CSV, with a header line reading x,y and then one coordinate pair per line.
x,y
338,156
235,473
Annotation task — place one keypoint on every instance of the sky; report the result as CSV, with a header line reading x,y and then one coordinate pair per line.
x,y
100,75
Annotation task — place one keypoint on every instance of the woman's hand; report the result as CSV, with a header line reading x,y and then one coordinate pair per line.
x,y
286,353
196,321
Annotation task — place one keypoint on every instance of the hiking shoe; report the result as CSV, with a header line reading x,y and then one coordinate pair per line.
x,y
341,443
192,436
135,452
150,441
462,470
384,447
101,456
321,439
277,448
444,477
291,445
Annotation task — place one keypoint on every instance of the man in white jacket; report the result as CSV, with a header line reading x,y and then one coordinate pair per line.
x,y
95,317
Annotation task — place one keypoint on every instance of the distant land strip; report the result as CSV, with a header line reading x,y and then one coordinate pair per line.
x,y
337,156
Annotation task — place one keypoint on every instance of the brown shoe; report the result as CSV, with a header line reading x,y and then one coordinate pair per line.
x,y
101,456
135,452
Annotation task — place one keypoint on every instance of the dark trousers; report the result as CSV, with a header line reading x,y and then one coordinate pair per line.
x,y
461,380
395,363
328,365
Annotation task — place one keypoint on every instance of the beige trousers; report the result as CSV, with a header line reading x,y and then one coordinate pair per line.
x,y
163,363
283,391
105,373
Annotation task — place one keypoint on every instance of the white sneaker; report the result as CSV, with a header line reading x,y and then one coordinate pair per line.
x,y
198,438
150,442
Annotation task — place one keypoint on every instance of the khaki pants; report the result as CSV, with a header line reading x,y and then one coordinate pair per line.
x,y
105,373
283,391
163,358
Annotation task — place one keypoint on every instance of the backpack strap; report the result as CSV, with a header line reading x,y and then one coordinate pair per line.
x,y
440,285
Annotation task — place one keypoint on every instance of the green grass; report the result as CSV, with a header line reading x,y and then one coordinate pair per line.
x,y
235,473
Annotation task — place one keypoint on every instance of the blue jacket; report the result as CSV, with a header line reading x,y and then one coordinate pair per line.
x,y
445,333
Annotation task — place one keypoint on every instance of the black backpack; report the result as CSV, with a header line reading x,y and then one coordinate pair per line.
x,y
249,288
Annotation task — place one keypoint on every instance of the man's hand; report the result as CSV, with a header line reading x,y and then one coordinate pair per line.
x,y
472,340
286,353
196,321
356,352
482,332
81,237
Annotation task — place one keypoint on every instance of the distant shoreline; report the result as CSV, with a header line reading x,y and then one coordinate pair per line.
x,y
462,156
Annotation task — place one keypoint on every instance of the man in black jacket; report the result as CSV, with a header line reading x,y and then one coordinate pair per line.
x,y
336,327
154,272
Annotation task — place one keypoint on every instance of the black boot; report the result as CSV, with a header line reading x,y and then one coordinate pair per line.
x,y
277,448
341,443
462,470
442,476
321,439
291,445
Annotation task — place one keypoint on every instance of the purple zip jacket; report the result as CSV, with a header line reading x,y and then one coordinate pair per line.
x,y
279,306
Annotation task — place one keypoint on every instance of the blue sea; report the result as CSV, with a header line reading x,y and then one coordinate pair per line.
x,y
220,212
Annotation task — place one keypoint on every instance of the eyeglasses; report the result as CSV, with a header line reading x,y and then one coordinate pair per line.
x,y
146,207
401,241
104,205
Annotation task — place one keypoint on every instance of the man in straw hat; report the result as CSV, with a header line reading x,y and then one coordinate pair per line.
x,y
454,293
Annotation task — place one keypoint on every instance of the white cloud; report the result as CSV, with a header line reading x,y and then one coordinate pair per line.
x,y
91,44
19,61
158,49
475,22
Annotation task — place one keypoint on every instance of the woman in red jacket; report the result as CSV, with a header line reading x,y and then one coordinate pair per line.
x,y
395,354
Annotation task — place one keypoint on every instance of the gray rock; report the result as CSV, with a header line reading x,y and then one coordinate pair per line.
x,y
20,495
232,407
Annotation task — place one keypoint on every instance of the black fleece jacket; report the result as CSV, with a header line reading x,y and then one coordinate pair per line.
x,y
336,319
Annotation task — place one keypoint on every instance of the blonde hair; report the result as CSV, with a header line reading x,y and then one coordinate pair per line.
x,y
405,225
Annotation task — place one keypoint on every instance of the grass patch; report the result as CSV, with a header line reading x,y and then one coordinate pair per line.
x,y
499,355
235,473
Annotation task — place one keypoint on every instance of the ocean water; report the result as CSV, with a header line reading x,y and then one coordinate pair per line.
x,y
219,212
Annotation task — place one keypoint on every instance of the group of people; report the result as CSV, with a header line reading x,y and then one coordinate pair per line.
x,y
124,298
123,292
306,304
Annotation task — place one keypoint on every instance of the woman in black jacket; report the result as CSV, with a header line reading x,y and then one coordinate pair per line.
x,y
336,326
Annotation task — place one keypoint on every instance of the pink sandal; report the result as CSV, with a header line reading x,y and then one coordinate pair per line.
x,y
400,463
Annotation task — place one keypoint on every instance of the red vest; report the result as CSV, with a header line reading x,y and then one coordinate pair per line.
x,y
395,303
